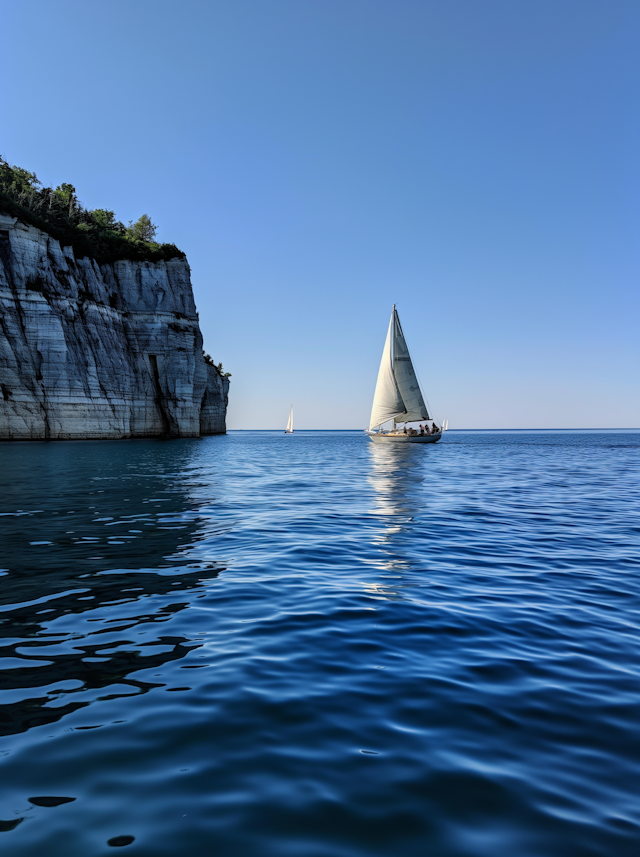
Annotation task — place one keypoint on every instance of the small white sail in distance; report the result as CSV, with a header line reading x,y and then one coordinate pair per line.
x,y
289,428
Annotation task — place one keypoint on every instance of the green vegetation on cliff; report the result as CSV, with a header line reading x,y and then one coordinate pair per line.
x,y
217,366
96,234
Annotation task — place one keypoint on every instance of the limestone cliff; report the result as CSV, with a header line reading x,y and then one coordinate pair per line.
x,y
99,351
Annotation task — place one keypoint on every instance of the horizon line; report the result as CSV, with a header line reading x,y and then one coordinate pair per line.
x,y
546,428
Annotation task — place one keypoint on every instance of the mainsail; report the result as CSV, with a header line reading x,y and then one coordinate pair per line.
x,y
289,428
397,396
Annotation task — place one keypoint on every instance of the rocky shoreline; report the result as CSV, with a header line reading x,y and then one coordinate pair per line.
x,y
92,350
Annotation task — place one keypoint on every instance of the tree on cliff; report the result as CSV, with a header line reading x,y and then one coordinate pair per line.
x,y
65,194
143,229
96,234
106,220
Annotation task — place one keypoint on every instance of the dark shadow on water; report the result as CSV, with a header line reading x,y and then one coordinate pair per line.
x,y
90,528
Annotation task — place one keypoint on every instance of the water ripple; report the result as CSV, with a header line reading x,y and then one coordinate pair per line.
x,y
268,645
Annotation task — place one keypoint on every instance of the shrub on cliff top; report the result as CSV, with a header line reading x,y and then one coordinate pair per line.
x,y
94,233
218,367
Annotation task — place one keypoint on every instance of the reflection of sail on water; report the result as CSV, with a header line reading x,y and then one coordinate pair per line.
x,y
396,479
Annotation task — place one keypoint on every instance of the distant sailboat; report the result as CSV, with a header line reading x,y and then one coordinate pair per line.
x,y
398,397
289,428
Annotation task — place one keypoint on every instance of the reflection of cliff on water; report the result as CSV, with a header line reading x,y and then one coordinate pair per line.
x,y
90,526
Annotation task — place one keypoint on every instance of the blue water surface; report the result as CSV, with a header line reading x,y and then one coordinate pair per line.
x,y
262,645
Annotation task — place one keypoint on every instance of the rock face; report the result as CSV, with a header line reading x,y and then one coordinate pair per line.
x,y
99,351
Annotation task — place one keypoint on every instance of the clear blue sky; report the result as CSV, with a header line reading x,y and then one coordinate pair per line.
x,y
476,162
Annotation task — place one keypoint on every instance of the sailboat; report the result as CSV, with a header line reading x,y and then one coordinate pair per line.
x,y
398,396
289,428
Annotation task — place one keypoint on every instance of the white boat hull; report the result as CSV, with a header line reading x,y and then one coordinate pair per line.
x,y
379,437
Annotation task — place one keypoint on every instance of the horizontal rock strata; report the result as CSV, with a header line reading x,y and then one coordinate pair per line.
x,y
99,351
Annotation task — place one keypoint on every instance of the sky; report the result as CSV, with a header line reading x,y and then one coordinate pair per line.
x,y
475,163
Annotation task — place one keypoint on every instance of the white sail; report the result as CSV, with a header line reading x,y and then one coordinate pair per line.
x,y
387,401
289,428
398,395
406,379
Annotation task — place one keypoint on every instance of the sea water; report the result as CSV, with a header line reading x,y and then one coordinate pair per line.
x,y
262,645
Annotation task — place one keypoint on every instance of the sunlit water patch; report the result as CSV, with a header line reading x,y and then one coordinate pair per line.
x,y
277,645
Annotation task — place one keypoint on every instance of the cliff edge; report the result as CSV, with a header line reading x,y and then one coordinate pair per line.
x,y
92,350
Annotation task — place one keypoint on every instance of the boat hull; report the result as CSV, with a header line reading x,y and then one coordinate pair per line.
x,y
404,438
